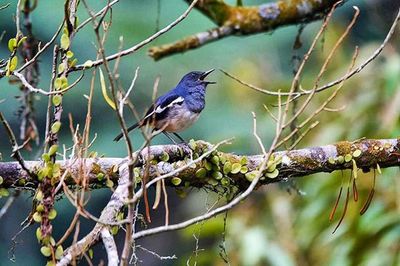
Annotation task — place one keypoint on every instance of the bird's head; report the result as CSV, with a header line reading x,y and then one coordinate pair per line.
x,y
195,78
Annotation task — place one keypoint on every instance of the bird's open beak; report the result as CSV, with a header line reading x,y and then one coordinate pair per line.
x,y
205,74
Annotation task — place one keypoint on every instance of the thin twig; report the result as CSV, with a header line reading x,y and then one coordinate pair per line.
x,y
15,148
5,6
41,49
142,43
347,76
99,13
8,204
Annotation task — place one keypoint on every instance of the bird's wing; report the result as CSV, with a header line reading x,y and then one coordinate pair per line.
x,y
160,109
157,111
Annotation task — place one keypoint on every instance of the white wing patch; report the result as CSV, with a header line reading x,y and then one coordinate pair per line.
x,y
160,109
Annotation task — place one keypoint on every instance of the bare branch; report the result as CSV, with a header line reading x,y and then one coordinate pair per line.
x,y
347,76
139,45
110,246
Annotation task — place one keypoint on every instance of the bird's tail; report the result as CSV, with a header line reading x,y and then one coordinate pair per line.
x,y
117,138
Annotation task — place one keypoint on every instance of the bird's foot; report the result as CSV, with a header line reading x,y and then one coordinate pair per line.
x,y
186,149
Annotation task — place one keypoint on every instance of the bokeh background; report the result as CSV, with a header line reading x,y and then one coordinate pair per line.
x,y
273,226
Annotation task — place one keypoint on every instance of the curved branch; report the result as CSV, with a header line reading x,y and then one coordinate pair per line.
x,y
240,20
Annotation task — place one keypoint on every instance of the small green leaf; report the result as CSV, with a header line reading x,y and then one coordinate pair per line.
x,y
347,158
57,83
215,160
212,182
109,183
1,180
243,160
46,157
40,208
23,39
208,166
13,64
65,41
177,181
192,144
216,167
136,172
104,91
46,251
217,175
114,229
69,54
271,166
120,216
59,252
225,181
53,149
164,157
64,82
331,160
356,153
39,235
227,167
340,159
236,168
57,99
274,174
72,62
52,214
4,192
12,44
201,173
244,169
250,176
39,195
55,127
90,251
61,68
100,176
37,217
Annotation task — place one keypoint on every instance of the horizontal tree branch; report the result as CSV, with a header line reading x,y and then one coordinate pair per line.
x,y
366,153
245,20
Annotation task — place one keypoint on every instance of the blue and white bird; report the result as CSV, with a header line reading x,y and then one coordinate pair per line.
x,y
179,108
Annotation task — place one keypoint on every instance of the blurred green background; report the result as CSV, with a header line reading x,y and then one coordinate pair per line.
x,y
272,227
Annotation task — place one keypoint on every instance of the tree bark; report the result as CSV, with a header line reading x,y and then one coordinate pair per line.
x,y
219,166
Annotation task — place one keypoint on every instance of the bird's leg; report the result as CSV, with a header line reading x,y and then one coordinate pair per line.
x,y
170,138
180,138
184,145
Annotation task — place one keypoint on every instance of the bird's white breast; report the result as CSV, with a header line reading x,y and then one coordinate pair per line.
x,y
179,118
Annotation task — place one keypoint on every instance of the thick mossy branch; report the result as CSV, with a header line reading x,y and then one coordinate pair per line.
x,y
219,169
244,20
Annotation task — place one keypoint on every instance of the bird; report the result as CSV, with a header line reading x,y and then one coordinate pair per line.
x,y
177,109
